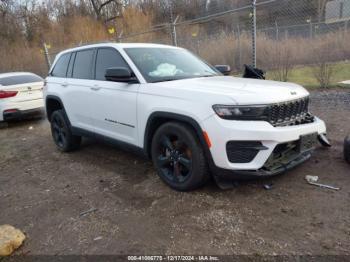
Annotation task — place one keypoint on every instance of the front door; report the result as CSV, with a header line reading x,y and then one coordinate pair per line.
x,y
113,103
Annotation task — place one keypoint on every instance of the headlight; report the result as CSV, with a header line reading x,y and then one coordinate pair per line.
x,y
241,112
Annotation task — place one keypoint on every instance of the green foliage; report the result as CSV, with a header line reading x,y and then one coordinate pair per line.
x,y
305,75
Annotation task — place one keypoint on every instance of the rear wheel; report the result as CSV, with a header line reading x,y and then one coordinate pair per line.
x,y
61,133
178,157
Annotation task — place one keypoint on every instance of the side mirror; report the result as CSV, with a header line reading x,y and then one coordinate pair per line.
x,y
224,69
120,74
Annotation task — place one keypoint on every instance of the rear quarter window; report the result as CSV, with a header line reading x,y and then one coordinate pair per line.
x,y
19,79
60,69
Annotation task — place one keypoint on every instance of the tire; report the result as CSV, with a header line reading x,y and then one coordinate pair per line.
x,y
179,157
347,149
62,134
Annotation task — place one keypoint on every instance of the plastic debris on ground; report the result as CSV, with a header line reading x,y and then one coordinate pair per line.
x,y
312,180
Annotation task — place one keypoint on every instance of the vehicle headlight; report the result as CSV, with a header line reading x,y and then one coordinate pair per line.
x,y
241,112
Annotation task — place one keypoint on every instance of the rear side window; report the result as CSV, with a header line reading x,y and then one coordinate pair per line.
x,y
83,64
108,58
60,69
19,79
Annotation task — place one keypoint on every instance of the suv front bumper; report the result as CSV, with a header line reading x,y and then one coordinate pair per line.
x,y
222,132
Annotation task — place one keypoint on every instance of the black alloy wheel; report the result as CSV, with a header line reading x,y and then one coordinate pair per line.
x,y
178,157
61,132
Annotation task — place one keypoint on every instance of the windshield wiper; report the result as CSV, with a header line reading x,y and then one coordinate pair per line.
x,y
166,80
208,75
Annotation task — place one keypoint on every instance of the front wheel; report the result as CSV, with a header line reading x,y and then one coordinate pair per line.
x,y
179,157
61,133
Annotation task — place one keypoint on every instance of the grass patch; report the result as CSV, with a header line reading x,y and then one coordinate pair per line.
x,y
305,75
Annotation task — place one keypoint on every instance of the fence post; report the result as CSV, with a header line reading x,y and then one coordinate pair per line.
x,y
239,47
311,29
120,37
254,32
47,56
346,26
277,31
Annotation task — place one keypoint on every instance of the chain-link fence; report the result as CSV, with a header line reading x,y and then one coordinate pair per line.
x,y
288,33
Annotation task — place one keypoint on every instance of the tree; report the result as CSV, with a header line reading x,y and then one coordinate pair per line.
x,y
108,10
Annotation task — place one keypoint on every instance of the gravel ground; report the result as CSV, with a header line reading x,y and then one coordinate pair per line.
x,y
43,192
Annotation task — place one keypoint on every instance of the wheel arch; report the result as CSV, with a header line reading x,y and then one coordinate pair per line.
x,y
156,119
52,103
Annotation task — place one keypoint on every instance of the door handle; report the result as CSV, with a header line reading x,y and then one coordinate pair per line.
x,y
65,84
95,88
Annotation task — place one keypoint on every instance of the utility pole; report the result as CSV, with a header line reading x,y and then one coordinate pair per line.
x,y
254,32
173,24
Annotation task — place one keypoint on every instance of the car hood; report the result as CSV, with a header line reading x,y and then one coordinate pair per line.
x,y
242,91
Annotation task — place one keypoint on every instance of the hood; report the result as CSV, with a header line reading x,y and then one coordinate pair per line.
x,y
242,91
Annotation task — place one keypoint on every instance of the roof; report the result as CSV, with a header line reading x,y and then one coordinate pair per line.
x,y
119,45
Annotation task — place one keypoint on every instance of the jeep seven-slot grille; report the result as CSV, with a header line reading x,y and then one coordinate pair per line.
x,y
290,113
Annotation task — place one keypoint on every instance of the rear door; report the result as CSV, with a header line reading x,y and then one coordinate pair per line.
x,y
114,103
77,89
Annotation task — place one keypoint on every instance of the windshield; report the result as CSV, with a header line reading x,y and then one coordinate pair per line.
x,y
168,64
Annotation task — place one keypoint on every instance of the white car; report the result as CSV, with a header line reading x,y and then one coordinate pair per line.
x,y
180,111
21,95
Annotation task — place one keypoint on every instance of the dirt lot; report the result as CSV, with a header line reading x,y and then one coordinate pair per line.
x,y
43,192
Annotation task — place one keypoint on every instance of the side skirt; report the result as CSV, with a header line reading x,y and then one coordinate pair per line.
x,y
110,141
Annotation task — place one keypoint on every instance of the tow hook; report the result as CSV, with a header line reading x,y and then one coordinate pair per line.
x,y
322,138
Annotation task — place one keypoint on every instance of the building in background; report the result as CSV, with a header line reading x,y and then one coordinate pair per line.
x,y
337,11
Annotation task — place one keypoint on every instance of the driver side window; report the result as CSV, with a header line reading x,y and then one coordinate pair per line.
x,y
108,58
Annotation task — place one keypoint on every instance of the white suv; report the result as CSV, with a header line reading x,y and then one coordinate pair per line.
x,y
180,111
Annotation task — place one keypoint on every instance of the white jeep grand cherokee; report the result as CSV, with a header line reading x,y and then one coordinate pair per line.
x,y
180,111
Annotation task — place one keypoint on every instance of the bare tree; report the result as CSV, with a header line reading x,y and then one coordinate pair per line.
x,y
324,71
108,10
282,62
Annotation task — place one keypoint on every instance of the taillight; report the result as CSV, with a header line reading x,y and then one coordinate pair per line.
x,y
7,94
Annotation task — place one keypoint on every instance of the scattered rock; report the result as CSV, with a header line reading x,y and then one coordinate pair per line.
x,y
98,238
92,210
10,239
268,186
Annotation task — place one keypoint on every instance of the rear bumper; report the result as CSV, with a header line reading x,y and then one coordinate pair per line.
x,y
21,114
20,109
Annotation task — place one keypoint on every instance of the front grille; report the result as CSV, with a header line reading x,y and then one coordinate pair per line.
x,y
290,113
243,151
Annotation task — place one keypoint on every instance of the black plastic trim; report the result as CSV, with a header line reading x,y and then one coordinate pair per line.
x,y
59,101
253,174
120,144
20,114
